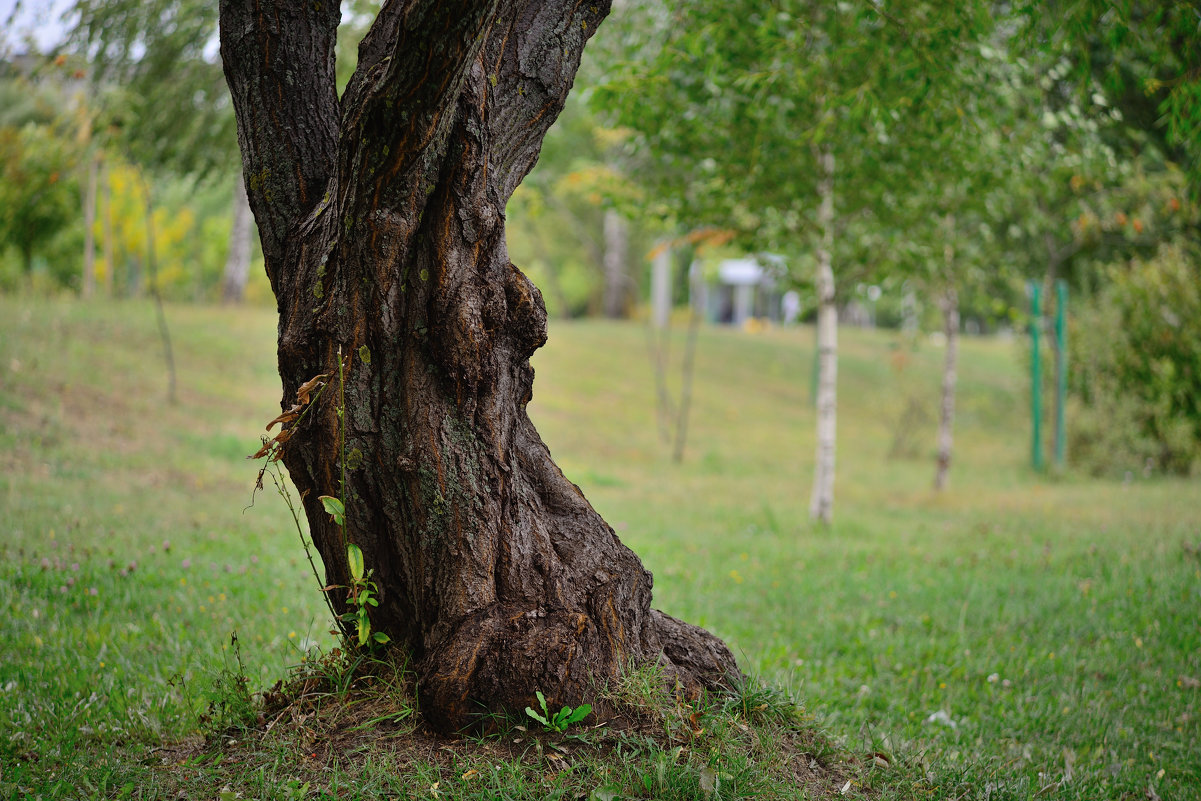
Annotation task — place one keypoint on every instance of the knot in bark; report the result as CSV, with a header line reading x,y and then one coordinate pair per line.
x,y
527,313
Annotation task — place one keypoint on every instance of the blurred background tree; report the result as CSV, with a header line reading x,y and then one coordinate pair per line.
x,y
974,148
38,194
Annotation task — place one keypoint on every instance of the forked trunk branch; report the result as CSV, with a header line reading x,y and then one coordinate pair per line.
x,y
383,231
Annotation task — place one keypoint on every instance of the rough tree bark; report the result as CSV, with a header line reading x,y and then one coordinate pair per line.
x,y
237,263
821,502
381,218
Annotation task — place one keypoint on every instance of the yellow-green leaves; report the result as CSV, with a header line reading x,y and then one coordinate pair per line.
x,y
354,557
336,510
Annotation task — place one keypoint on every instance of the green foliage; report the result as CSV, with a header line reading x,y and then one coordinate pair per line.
x,y
561,720
1136,369
361,596
354,558
733,106
335,509
1146,55
162,93
39,195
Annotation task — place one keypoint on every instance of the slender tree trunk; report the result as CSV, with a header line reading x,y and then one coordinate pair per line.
x,y
382,224
658,333
661,288
106,194
949,302
237,264
616,234
694,326
88,285
821,504
155,294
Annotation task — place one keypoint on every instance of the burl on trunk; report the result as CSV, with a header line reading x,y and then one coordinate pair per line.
x,y
382,223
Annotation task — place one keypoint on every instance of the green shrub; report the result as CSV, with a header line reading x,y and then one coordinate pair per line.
x,y
1135,369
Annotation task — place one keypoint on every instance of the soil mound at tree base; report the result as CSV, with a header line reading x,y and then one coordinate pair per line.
x,y
347,727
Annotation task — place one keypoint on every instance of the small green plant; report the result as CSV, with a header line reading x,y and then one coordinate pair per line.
x,y
230,702
295,791
560,720
360,594
757,702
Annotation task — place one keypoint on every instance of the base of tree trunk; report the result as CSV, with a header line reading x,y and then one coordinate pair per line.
x,y
315,723
498,662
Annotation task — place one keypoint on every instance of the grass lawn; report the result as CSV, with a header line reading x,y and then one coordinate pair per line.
x,y
1016,636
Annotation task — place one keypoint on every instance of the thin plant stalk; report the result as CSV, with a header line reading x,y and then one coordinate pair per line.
x,y
282,489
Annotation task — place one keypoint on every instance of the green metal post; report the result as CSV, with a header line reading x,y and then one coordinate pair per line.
x,y
1061,371
1036,377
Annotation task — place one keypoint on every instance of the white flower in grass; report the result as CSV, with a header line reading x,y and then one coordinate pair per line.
x,y
942,717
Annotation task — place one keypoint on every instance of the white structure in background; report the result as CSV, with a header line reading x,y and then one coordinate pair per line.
x,y
790,307
746,288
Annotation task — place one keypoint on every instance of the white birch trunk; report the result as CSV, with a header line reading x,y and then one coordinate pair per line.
x,y
659,337
616,255
661,288
237,264
821,504
88,285
946,417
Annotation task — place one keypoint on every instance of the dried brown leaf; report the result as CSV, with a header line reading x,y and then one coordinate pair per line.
x,y
287,417
302,394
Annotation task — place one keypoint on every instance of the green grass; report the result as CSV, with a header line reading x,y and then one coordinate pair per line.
x,y
1053,621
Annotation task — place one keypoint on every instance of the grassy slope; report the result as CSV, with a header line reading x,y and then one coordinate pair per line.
x,y
1055,623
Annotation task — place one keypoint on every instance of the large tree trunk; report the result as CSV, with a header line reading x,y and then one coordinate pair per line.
x,y
237,264
949,303
821,503
382,225
617,293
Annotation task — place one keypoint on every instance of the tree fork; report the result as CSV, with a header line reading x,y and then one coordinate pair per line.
x,y
382,221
